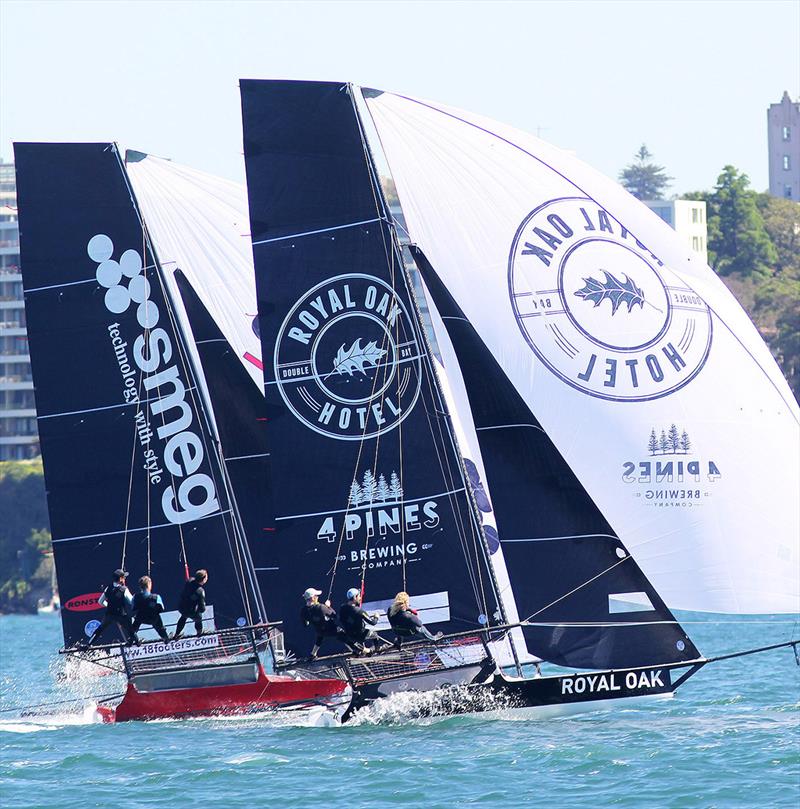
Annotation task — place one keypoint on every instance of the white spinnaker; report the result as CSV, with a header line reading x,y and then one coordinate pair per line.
x,y
200,224
719,528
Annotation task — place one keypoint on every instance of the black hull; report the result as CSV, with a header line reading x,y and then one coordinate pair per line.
x,y
558,695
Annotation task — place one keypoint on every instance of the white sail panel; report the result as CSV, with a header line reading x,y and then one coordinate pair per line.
x,y
200,224
638,362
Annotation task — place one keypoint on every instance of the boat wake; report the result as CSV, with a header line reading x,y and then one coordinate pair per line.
x,y
434,706
36,722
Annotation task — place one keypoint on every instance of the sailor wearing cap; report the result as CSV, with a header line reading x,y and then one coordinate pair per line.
x,y
117,599
358,624
322,619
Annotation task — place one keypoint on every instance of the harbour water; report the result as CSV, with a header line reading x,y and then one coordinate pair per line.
x,y
730,738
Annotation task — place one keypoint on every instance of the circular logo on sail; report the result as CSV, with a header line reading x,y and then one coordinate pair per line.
x,y
599,309
347,359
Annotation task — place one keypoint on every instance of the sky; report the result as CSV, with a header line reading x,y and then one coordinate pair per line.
x,y
691,80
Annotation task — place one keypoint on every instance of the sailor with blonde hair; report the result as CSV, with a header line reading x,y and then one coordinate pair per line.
x,y
406,622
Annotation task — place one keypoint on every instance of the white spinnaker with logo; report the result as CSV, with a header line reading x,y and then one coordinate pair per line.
x,y
200,224
555,264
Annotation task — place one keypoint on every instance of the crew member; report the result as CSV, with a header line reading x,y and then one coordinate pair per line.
x,y
357,623
116,598
147,608
405,622
322,619
192,604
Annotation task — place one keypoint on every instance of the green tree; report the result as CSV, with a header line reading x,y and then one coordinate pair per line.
x,y
645,180
24,537
782,223
738,242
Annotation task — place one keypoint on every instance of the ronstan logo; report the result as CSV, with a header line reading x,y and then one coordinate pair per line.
x,y
347,358
599,309
182,452
84,603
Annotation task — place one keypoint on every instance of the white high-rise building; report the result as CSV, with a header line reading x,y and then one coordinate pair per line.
x,y
783,144
687,217
18,429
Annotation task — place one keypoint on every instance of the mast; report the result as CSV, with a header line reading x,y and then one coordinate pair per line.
x,y
476,522
206,410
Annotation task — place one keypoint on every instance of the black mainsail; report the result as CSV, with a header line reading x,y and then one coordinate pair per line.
x,y
131,464
368,488
240,416
586,601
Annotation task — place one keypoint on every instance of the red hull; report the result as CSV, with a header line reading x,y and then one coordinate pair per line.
x,y
269,692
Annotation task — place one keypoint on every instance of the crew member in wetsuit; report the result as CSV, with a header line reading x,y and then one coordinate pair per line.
x,y
192,604
116,598
357,623
147,608
322,619
405,622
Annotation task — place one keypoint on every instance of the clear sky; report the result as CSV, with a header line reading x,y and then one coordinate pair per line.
x,y
692,80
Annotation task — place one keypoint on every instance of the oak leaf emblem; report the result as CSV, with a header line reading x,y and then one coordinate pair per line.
x,y
357,358
614,290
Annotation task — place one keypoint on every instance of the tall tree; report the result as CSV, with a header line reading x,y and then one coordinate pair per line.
x,y
644,179
737,239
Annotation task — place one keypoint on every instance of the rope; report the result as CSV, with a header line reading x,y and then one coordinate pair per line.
x,y
97,697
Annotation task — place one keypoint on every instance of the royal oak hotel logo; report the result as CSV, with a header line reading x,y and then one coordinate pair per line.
x,y
347,358
599,309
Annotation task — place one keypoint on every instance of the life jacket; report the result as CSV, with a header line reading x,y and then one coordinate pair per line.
x,y
403,620
146,606
321,617
193,598
116,604
352,620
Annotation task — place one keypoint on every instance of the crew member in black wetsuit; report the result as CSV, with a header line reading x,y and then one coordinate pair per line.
x,y
116,598
147,608
322,619
357,623
405,622
192,604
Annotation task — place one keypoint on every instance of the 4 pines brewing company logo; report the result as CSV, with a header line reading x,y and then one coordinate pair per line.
x,y
599,309
672,474
347,359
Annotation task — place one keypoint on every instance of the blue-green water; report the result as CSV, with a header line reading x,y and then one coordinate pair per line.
x,y
730,738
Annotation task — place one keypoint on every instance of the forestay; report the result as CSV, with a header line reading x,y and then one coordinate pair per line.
x,y
642,368
131,467
367,485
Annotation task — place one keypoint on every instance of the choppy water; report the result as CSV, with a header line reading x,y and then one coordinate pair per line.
x,y
730,738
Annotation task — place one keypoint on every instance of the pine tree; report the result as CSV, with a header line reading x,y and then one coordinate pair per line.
x,y
663,444
356,495
652,444
395,489
674,439
382,490
645,180
369,486
686,444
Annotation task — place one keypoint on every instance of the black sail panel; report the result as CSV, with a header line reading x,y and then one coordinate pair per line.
x,y
566,564
240,415
131,473
364,474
